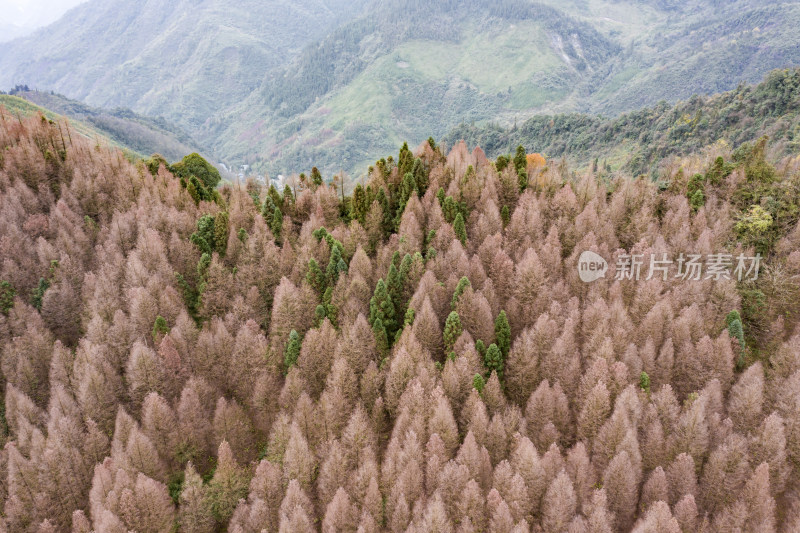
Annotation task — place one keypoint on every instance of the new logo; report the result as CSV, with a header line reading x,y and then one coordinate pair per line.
x,y
591,267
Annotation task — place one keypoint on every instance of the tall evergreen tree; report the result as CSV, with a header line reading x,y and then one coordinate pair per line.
x,y
460,229
7,294
268,209
221,233
316,177
277,224
420,177
204,237
388,219
381,336
315,276
502,333
405,161
462,285
521,165
394,284
381,308
292,351
288,196
335,265
452,331
494,360
359,204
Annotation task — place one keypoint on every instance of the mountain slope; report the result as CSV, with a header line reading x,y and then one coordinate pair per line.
x,y
13,107
283,86
639,140
141,136
408,71
702,48
182,59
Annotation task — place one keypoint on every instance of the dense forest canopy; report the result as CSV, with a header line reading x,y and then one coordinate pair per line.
x,y
418,355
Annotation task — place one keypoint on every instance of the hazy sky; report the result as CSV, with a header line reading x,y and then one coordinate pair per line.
x,y
33,13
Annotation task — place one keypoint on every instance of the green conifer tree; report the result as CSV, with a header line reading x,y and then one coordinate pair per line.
x,y
394,284
450,209
381,308
452,331
462,285
268,209
420,176
480,347
315,276
501,163
277,224
316,177
644,382
275,196
204,237
160,327
7,293
358,204
331,311
405,267
292,351
320,313
460,229
221,233
736,331
405,161
37,294
440,196
521,165
478,383
288,196
333,269
502,333
494,360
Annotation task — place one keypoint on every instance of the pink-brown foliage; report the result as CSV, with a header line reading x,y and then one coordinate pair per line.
x,y
105,410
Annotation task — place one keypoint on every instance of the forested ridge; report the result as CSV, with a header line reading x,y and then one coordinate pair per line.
x,y
183,355
637,142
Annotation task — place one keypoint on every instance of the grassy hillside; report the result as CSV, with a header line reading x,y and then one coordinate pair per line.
x,y
181,59
638,141
410,71
703,48
404,73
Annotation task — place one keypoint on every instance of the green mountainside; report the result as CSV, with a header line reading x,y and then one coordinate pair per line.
x,y
181,59
695,47
406,73
283,86
638,141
